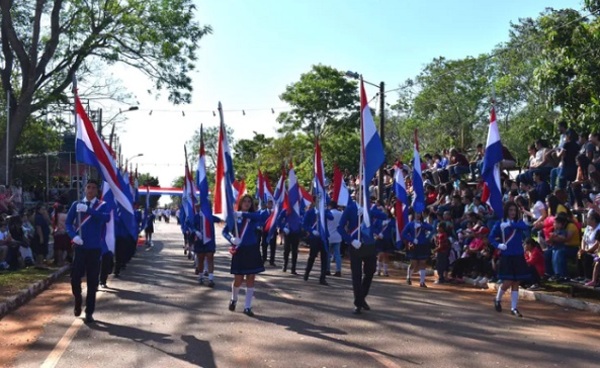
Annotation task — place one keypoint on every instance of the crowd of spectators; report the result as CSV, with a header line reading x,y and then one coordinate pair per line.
x,y
556,191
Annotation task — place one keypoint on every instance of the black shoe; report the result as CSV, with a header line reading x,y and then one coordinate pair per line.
x,y
294,273
408,282
423,285
328,273
366,306
211,284
337,274
232,304
272,264
305,277
103,285
497,306
357,310
248,312
515,312
323,282
89,319
284,269
77,309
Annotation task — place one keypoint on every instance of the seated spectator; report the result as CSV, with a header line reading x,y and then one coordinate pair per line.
x,y
535,260
542,164
508,160
15,228
595,274
476,163
459,164
589,247
470,260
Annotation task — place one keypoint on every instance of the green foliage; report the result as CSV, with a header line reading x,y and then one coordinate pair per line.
x,y
149,180
45,43
322,101
38,137
211,146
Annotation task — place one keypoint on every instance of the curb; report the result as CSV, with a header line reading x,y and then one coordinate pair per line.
x,y
553,299
33,290
528,294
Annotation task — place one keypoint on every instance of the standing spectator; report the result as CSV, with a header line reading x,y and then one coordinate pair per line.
x,y
62,242
41,238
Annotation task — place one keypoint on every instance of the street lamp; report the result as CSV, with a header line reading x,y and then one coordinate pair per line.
x,y
112,131
382,91
132,157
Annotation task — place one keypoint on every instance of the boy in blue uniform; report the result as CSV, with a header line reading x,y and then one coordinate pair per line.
x,y
86,226
363,253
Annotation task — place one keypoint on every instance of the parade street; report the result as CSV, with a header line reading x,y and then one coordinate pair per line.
x,y
157,315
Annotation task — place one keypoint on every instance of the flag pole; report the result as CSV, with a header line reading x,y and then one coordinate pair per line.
x,y
222,127
76,160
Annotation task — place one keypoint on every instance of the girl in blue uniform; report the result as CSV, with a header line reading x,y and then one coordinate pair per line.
x,y
419,247
384,235
507,237
247,260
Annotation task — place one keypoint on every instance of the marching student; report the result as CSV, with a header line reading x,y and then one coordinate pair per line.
x,y
363,254
384,235
335,239
91,224
311,227
204,250
418,248
507,237
290,225
268,244
246,259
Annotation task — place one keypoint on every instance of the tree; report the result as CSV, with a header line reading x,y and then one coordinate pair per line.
x,y
322,101
211,145
45,43
146,179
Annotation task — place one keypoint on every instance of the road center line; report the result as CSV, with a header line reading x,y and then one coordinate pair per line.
x,y
64,342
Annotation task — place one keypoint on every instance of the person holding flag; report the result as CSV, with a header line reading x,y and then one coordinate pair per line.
x,y
86,226
315,241
363,254
246,260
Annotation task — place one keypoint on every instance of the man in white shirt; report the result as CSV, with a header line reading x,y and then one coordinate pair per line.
x,y
335,240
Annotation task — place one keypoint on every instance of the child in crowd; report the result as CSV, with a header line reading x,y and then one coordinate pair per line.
x,y
535,260
557,241
442,249
594,281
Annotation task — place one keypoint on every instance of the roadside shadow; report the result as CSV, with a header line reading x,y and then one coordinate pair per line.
x,y
130,333
320,332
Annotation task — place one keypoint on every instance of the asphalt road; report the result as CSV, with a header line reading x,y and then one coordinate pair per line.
x,y
157,315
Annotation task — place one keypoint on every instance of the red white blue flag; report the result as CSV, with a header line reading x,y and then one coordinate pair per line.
x,y
491,167
371,150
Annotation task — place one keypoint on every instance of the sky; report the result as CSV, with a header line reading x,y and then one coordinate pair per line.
x,y
258,47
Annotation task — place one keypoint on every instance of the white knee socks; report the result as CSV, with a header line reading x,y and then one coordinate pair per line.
x,y
249,295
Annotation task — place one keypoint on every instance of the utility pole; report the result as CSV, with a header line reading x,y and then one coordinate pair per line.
x,y
381,187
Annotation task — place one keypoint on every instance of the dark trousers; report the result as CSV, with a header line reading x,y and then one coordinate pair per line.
x,y
106,267
317,248
585,266
86,262
441,264
123,252
535,277
290,244
363,262
271,244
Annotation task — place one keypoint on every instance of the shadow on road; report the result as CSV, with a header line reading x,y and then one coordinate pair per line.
x,y
197,352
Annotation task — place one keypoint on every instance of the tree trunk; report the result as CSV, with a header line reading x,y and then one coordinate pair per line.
x,y
18,118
